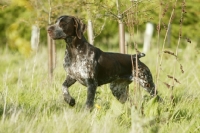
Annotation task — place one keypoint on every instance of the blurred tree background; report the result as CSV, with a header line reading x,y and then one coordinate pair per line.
x,y
18,16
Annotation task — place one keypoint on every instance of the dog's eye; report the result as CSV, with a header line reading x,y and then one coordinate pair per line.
x,y
62,24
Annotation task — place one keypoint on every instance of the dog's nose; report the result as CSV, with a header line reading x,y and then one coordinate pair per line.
x,y
49,29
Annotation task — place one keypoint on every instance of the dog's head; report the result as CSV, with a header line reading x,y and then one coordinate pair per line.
x,y
66,26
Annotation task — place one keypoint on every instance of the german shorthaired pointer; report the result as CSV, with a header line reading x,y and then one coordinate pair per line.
x,y
92,67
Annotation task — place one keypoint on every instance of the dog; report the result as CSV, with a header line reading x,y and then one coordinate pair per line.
x,y
92,67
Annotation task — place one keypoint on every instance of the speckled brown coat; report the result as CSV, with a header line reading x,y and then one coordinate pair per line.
x,y
92,67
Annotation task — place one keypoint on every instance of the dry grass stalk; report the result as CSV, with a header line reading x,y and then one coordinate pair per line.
x,y
131,21
181,67
168,86
171,77
179,39
169,52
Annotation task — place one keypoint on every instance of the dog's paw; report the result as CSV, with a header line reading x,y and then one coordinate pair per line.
x,y
89,107
72,102
69,100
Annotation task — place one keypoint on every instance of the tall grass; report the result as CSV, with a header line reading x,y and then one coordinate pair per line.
x,y
29,102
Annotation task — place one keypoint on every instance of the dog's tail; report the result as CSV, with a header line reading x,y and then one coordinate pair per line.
x,y
139,55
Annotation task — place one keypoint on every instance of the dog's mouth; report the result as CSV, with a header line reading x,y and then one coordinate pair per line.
x,y
58,35
61,35
50,33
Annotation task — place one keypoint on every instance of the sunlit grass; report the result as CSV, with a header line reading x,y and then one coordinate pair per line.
x,y
30,102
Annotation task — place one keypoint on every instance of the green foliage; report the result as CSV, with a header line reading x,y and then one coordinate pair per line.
x,y
152,108
30,102
10,14
103,15
15,28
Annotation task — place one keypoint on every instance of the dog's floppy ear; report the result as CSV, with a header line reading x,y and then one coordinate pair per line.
x,y
80,27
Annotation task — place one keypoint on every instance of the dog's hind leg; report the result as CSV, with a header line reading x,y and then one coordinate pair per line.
x,y
120,89
67,97
145,78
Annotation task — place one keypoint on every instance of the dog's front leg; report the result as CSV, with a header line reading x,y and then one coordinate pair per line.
x,y
67,97
91,90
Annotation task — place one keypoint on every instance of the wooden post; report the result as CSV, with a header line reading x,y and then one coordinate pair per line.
x,y
51,49
50,57
90,32
121,36
121,30
54,54
35,37
147,37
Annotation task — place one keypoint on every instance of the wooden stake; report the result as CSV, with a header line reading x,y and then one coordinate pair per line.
x,y
50,57
51,49
121,30
121,37
90,32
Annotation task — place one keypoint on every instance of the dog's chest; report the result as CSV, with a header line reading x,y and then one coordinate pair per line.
x,y
81,67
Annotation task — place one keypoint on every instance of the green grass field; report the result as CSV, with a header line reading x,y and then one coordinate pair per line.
x,y
31,103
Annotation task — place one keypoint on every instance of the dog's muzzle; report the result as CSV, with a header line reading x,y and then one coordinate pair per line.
x,y
55,32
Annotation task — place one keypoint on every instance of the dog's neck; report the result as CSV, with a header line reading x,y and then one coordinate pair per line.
x,y
74,46
69,39
73,42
